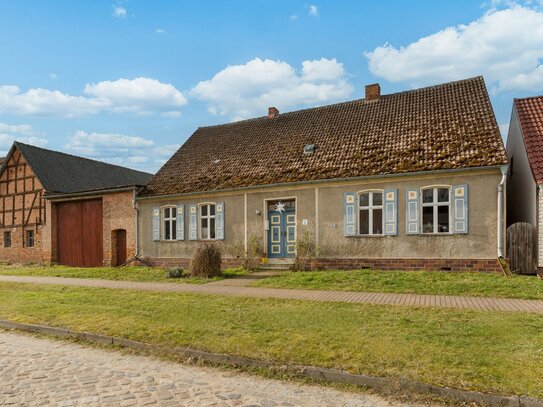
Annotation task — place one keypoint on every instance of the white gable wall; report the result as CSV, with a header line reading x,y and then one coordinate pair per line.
x,y
521,186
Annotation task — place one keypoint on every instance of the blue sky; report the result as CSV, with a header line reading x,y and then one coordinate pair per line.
x,y
128,81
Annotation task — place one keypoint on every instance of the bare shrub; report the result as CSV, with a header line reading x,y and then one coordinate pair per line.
x,y
306,251
206,261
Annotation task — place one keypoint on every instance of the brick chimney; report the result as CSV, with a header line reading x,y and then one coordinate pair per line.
x,y
272,112
373,91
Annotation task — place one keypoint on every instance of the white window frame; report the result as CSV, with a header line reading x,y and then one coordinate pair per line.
x,y
370,209
208,217
172,220
435,204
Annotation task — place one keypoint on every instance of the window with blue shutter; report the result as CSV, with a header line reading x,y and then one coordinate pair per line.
x,y
180,221
412,221
156,224
460,208
391,212
219,221
349,214
193,222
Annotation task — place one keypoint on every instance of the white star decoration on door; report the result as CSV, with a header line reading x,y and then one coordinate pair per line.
x,y
280,207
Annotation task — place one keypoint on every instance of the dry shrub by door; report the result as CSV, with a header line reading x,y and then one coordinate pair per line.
x,y
522,248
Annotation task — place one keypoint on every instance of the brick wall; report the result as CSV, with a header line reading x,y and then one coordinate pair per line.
x,y
479,265
118,213
17,253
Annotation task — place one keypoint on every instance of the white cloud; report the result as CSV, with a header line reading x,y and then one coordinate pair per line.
x,y
53,76
294,17
139,96
313,10
120,149
160,31
242,91
506,46
119,11
18,132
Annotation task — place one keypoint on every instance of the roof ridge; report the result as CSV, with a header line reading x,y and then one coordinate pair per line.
x,y
18,143
426,88
528,98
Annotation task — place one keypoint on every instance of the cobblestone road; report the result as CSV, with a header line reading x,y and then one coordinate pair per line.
x,y
36,371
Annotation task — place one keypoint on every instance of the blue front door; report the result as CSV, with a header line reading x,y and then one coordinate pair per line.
x,y
282,230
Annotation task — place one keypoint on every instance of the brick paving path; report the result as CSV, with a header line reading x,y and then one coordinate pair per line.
x,y
444,301
40,372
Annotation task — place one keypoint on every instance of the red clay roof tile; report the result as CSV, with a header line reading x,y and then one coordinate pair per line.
x,y
440,127
530,116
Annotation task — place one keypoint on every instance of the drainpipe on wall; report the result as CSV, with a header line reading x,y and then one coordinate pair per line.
x,y
501,211
137,216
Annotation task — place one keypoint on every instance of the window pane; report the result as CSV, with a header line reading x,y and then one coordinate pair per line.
x,y
212,209
377,221
428,219
204,210
364,199
212,228
167,230
166,213
377,198
364,228
174,229
443,195
205,232
443,219
428,196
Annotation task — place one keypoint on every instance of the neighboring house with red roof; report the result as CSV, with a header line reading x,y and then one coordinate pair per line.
x,y
406,180
59,208
525,179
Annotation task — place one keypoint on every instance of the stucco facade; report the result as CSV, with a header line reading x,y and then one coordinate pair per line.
x,y
319,214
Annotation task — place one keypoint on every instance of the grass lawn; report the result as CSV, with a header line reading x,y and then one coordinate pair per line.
x,y
417,282
111,273
487,351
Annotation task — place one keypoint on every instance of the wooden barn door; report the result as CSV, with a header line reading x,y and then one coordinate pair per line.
x,y
80,233
522,248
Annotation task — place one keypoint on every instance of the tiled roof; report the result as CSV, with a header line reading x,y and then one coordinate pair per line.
x,y
62,173
530,116
441,127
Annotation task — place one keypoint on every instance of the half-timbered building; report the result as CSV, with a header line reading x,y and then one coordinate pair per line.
x,y
59,208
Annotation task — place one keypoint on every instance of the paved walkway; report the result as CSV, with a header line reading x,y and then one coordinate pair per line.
x,y
444,301
40,372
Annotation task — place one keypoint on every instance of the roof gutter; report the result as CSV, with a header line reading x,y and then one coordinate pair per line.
x,y
330,180
89,194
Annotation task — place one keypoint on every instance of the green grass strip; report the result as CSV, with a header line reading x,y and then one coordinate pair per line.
x,y
492,352
416,282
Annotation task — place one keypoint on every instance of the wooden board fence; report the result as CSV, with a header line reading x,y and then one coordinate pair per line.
x,y
522,248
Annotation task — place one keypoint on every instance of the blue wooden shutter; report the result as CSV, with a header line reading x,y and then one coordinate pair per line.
x,y
412,212
156,224
193,222
180,222
349,214
219,221
460,208
391,212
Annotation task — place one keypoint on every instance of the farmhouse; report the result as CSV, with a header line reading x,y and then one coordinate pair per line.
x,y
525,178
58,208
406,180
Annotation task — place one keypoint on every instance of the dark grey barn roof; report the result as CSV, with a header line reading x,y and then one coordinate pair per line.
x,y
62,173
